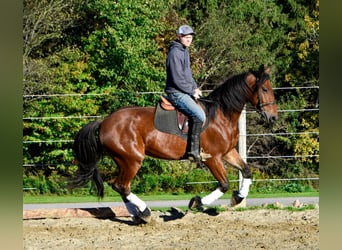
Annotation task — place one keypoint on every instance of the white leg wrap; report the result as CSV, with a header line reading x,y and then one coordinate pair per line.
x,y
136,201
243,192
131,208
213,196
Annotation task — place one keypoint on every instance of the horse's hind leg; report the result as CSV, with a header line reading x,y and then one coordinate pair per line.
x,y
135,206
137,209
235,160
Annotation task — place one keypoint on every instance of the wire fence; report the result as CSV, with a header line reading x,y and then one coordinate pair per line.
x,y
159,93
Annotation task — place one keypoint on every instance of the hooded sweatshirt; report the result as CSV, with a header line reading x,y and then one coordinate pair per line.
x,y
178,71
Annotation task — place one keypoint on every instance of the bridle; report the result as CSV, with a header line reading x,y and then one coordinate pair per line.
x,y
260,82
259,106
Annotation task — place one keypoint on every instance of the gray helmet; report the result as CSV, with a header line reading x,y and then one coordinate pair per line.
x,y
185,30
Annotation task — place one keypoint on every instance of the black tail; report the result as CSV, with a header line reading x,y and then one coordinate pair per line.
x,y
88,150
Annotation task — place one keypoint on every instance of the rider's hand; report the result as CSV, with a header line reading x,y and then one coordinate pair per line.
x,y
198,93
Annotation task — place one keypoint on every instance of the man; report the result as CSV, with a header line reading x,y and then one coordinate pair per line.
x,y
181,88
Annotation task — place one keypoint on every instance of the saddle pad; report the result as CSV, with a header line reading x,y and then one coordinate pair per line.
x,y
166,121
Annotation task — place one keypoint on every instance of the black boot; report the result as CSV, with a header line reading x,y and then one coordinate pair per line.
x,y
195,128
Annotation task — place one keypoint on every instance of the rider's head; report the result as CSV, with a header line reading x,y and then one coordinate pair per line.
x,y
185,34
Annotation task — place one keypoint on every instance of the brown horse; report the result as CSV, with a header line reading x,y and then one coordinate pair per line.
x,y
129,134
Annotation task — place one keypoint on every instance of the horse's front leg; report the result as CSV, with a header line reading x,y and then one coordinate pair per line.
x,y
235,160
216,167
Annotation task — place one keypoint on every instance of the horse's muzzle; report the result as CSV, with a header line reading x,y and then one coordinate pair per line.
x,y
269,117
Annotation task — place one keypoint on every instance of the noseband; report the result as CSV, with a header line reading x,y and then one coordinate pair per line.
x,y
261,105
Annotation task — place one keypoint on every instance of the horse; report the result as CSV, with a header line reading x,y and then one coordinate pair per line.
x,y
128,135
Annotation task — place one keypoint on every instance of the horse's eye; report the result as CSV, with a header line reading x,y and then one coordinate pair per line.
x,y
264,89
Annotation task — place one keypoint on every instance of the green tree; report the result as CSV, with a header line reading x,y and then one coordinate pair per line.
x,y
111,50
299,61
122,47
53,63
97,47
240,35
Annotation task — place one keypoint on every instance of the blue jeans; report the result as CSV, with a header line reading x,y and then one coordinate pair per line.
x,y
187,105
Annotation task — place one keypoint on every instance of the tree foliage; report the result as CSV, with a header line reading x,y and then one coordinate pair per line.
x,y
121,48
240,35
103,54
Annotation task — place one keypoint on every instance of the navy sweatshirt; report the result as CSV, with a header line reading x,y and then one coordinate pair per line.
x,y
178,71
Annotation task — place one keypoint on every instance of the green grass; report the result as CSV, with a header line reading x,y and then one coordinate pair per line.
x,y
35,199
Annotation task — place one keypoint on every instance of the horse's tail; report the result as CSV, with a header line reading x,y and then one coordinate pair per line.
x,y
88,150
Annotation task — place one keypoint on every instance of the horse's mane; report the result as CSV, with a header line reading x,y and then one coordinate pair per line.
x,y
230,96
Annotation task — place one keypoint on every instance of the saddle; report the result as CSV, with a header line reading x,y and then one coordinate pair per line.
x,y
168,119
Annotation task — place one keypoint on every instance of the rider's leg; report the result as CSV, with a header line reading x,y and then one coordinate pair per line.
x,y
188,106
193,152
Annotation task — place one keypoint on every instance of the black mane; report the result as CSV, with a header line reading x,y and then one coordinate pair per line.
x,y
230,96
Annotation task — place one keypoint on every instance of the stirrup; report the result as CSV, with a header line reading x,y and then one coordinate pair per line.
x,y
193,156
202,156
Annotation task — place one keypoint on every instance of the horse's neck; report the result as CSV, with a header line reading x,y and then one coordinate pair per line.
x,y
229,122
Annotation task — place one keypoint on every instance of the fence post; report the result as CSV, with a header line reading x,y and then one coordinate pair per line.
x,y
242,147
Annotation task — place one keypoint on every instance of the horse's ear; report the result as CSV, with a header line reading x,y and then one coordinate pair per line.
x,y
261,71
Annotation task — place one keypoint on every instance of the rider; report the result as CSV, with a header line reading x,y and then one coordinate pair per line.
x,y
181,88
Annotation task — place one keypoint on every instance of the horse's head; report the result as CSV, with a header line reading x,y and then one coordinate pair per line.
x,y
263,96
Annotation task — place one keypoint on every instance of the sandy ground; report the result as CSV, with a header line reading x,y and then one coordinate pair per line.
x,y
231,229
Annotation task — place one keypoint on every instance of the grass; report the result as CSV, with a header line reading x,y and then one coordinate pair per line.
x,y
36,199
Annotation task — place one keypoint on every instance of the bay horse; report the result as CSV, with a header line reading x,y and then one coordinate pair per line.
x,y
128,135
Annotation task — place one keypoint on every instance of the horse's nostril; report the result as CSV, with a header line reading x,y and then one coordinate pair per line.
x,y
273,118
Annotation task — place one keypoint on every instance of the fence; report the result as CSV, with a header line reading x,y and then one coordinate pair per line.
x,y
242,126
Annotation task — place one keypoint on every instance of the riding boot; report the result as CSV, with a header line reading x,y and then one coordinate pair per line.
x,y
195,128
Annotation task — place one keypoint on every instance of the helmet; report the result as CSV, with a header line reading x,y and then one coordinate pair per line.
x,y
185,30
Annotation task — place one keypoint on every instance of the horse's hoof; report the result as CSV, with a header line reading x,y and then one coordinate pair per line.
x,y
137,220
236,200
145,216
196,203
